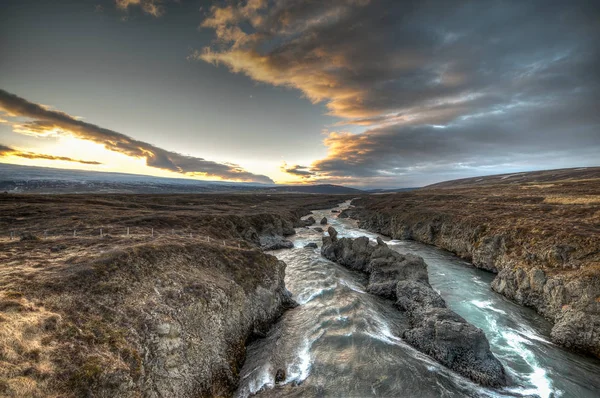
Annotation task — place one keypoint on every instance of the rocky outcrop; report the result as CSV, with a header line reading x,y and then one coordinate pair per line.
x,y
157,320
552,278
434,329
323,221
305,222
274,242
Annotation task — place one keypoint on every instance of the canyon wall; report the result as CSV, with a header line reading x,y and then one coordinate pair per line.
x,y
549,266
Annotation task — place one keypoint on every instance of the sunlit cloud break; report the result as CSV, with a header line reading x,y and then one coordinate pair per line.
x,y
44,121
454,85
6,151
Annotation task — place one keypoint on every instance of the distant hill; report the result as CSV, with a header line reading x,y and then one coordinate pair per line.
x,y
29,179
390,190
532,177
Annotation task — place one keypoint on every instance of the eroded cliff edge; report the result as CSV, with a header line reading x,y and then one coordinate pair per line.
x,y
543,243
154,315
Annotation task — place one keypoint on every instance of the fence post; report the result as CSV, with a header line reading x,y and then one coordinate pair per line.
x,y
127,231
152,232
100,232
11,235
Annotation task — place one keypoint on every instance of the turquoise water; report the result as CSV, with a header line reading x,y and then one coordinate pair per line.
x,y
342,341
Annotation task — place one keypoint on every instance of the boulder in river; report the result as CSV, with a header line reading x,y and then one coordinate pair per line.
x,y
451,340
274,242
324,221
332,233
318,229
305,223
279,376
434,329
312,245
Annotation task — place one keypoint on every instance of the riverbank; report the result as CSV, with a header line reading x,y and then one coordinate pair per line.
x,y
148,306
540,235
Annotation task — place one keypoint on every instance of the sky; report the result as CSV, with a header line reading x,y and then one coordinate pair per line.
x,y
363,93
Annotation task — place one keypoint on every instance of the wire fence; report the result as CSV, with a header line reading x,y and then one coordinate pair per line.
x,y
107,232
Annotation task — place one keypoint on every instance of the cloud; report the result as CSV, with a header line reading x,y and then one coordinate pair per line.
x,y
297,170
46,121
7,151
457,85
152,7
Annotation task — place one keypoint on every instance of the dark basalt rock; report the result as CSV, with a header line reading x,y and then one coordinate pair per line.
x,y
312,245
451,340
434,329
324,221
332,233
318,229
413,296
305,223
274,242
279,376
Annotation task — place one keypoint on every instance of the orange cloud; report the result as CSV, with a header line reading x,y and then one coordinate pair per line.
x,y
7,151
297,170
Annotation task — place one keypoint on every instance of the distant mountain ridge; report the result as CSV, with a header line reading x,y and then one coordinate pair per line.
x,y
32,179
519,178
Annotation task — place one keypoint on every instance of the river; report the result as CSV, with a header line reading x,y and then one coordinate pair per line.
x,y
340,341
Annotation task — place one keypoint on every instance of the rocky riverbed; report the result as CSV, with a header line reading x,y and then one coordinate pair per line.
x,y
540,235
433,328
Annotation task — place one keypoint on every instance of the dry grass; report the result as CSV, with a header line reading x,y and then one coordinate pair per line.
x,y
572,200
26,368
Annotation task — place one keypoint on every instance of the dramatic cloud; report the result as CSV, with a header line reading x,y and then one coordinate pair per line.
x,y
463,85
45,122
297,170
7,151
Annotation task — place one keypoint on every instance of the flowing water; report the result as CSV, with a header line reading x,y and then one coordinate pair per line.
x,y
341,341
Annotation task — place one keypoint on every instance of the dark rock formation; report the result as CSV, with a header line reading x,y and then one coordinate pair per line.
x,y
279,376
305,223
324,221
525,272
448,338
274,242
434,329
318,229
312,245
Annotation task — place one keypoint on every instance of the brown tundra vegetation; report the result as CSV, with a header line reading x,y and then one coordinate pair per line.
x,y
132,315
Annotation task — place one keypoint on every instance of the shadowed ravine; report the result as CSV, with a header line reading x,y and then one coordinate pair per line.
x,y
341,342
